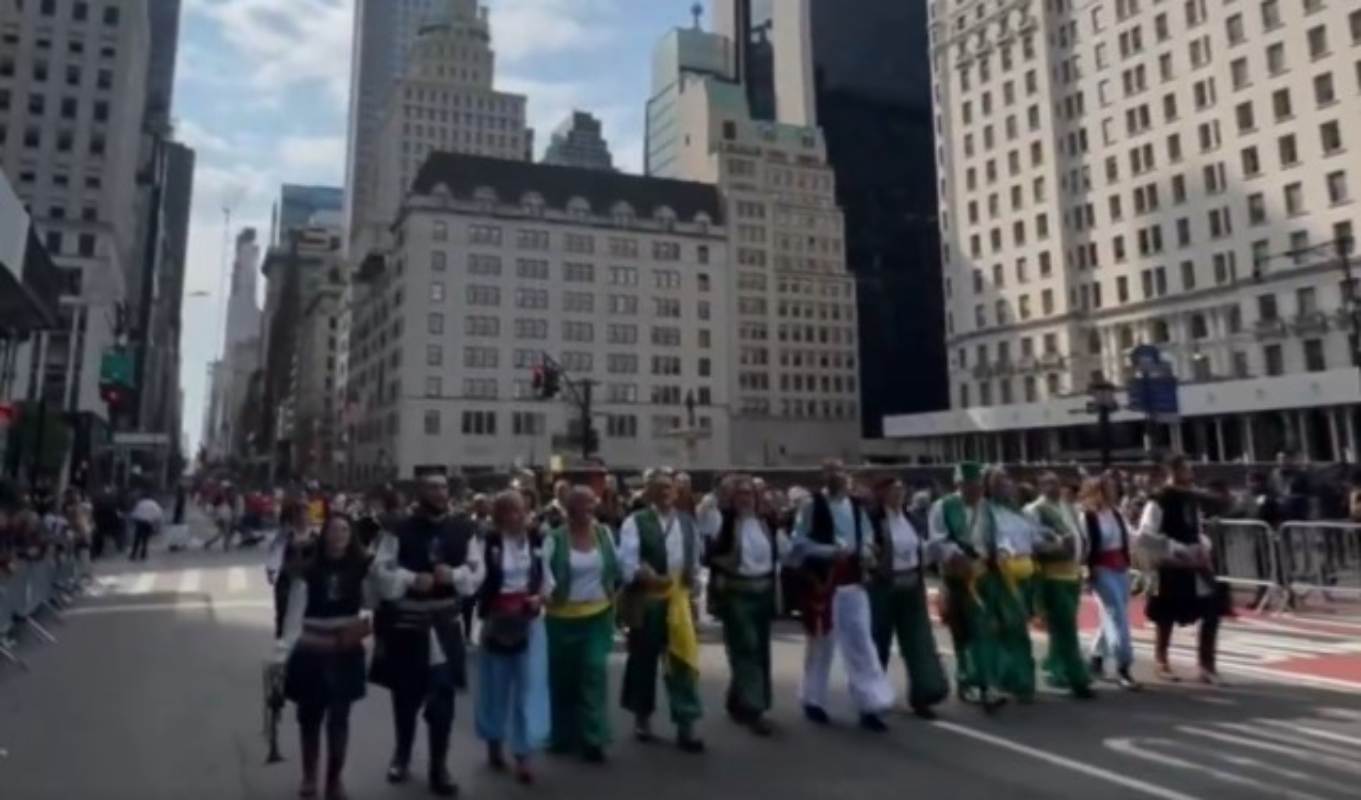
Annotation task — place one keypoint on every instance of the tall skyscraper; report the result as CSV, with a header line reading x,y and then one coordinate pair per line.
x,y
1128,175
384,31
795,379
243,307
303,206
577,142
73,118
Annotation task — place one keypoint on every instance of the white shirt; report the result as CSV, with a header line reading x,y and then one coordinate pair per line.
x,y
517,559
587,570
1016,533
905,542
630,546
148,511
1108,524
844,523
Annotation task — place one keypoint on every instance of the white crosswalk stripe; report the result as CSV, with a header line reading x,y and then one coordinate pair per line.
x,y
190,581
142,584
236,580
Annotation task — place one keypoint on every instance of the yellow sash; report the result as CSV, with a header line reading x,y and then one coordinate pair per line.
x,y
682,643
1017,569
578,609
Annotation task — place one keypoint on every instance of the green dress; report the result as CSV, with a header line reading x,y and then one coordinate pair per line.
x,y
1060,598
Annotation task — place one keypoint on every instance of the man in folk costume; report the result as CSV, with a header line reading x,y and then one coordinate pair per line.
x,y
1060,555
659,560
744,556
423,568
963,539
1185,589
834,541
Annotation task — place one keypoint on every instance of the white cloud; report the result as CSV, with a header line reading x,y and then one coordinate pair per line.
x,y
525,28
287,42
204,141
314,157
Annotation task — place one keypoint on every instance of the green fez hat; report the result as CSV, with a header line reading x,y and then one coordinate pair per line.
x,y
968,472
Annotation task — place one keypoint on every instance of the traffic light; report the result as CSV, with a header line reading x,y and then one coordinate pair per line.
x,y
114,396
547,381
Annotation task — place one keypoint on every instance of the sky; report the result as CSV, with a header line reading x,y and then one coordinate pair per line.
x,y
262,93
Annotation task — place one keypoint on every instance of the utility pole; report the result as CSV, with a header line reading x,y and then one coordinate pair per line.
x,y
550,379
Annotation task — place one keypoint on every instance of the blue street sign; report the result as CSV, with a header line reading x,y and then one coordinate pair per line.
x,y
1154,394
1145,357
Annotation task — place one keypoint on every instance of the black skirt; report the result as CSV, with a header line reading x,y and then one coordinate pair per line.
x,y
323,677
1177,600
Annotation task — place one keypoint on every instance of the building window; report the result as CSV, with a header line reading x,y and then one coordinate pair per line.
x,y
1274,359
432,425
479,423
1318,42
434,355
1337,188
434,386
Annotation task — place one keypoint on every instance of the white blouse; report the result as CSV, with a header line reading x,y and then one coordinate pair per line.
x,y
587,570
1016,532
757,559
517,559
905,542
1109,527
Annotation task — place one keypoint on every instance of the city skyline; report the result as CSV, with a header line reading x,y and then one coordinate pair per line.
x,y
286,121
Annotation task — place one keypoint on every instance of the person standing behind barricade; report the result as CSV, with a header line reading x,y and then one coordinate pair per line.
x,y
963,537
1108,565
324,638
422,570
1060,586
1185,590
584,566
833,541
1015,604
898,597
744,554
659,559
512,685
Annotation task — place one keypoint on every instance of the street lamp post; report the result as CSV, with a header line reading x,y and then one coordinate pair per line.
x,y
1103,404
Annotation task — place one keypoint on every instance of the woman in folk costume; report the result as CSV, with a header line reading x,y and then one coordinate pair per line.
x,y
898,597
1108,565
833,542
324,636
744,556
963,539
1059,554
582,561
512,686
659,562
1185,590
1013,560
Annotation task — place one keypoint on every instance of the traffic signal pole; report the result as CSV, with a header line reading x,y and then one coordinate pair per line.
x,y
550,378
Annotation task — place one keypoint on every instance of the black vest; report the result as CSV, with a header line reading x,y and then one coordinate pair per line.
x,y
823,531
495,577
335,588
723,554
1093,522
883,539
424,543
1181,514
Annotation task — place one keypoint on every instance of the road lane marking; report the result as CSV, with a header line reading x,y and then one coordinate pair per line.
x,y
1150,789
143,583
199,604
1298,753
1287,738
1315,732
191,581
1126,746
236,580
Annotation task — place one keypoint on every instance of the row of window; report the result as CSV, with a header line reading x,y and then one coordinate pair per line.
x,y
539,239
491,266
80,10
571,331
477,357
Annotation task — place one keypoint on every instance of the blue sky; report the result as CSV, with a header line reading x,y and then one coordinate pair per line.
x,y
262,91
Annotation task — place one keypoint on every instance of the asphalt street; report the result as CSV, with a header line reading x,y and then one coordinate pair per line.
x,y
154,691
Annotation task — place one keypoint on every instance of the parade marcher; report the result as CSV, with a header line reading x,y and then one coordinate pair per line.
x,y
1108,564
833,541
423,568
744,555
554,515
147,517
224,518
1059,590
585,570
285,556
659,560
1014,605
1185,590
898,597
512,686
963,537
324,638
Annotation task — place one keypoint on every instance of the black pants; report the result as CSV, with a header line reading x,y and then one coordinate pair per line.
x,y
439,720
1207,641
337,718
282,585
141,538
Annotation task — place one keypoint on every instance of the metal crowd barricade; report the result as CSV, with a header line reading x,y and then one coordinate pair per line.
x,y
1247,555
11,587
1322,558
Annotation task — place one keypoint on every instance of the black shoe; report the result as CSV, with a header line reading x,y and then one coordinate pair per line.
x,y
593,755
397,773
689,743
1083,693
924,712
816,715
642,732
495,758
872,723
1097,666
442,785
1127,682
761,726
991,701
